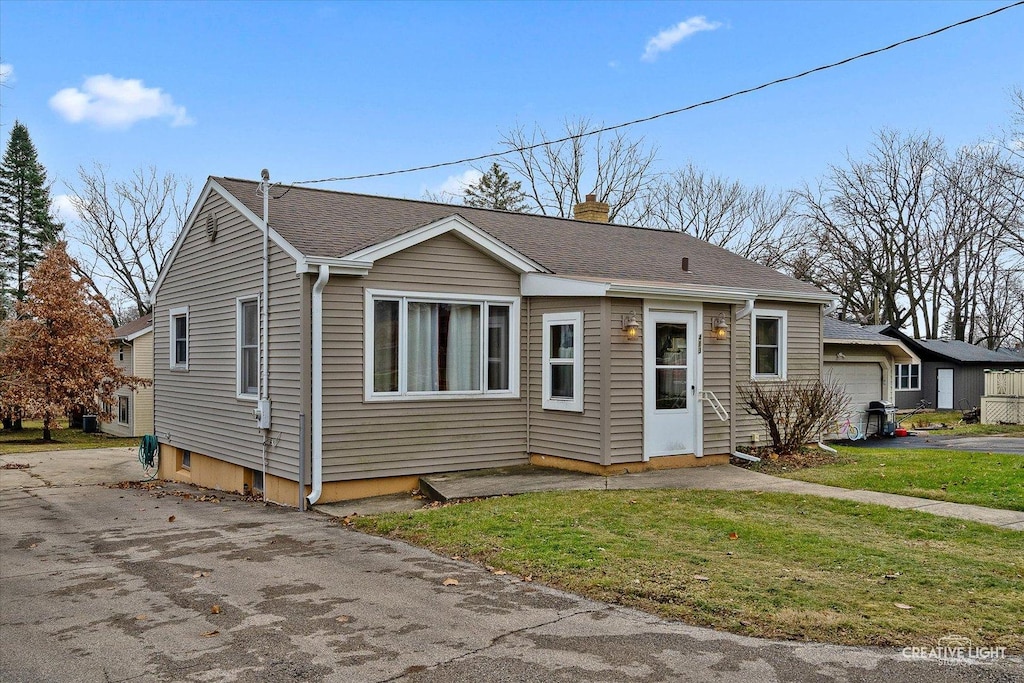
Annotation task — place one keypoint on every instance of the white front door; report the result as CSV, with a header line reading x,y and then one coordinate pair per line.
x,y
944,391
670,382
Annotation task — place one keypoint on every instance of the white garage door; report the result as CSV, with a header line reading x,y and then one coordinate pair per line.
x,y
863,382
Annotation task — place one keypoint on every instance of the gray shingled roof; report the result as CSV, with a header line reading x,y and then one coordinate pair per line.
x,y
137,325
334,224
966,353
838,329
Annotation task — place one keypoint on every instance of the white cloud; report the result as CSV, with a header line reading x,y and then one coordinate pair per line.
x,y
6,72
64,209
455,185
670,37
117,103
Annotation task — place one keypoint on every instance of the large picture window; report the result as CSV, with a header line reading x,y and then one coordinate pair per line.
x,y
768,345
563,361
440,346
248,347
179,325
908,377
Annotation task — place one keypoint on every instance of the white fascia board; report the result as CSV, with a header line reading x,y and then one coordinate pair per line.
x,y
133,337
538,284
897,349
464,229
721,295
338,266
213,186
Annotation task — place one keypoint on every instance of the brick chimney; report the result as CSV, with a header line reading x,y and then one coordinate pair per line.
x,y
591,210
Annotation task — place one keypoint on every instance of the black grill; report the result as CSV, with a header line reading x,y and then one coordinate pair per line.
x,y
885,413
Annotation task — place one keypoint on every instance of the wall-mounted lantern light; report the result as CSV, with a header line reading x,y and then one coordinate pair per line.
x,y
630,325
719,328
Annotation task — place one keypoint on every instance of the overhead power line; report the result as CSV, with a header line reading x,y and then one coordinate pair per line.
x,y
690,107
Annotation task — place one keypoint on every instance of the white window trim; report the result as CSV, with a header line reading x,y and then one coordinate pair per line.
x,y
404,297
896,374
242,396
128,410
174,313
783,318
549,402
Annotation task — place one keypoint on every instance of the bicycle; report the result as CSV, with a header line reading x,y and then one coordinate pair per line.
x,y
851,431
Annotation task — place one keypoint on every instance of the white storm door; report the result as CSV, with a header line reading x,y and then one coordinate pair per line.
x,y
944,390
670,382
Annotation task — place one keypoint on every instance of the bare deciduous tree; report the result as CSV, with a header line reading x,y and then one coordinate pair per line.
x,y
127,228
560,172
748,221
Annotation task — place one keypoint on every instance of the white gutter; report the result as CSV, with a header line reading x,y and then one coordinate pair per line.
x,y
746,310
318,384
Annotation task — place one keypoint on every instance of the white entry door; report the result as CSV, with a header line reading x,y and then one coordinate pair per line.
x,y
944,390
670,382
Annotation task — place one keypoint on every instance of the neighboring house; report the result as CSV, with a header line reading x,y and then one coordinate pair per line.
x,y
951,374
865,362
132,349
418,338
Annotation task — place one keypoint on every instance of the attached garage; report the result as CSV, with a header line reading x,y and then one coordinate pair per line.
x,y
863,382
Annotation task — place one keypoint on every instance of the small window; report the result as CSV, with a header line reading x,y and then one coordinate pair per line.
x,y
431,346
257,481
122,410
120,352
179,338
563,361
248,351
768,345
908,377
186,460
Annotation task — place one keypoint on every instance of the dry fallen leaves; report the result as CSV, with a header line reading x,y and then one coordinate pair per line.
x,y
733,535
700,577
343,619
210,634
450,582
900,605
215,609
141,617
199,574
171,518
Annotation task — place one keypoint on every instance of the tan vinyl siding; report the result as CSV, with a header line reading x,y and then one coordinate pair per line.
x,y
142,366
625,394
385,438
561,433
198,409
718,378
803,356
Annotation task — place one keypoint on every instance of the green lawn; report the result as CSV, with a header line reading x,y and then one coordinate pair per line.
x,y
991,479
30,439
800,567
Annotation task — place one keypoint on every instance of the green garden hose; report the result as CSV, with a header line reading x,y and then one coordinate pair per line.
x,y
148,449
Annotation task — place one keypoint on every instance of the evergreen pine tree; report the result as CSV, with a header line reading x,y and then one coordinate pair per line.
x,y
495,190
27,225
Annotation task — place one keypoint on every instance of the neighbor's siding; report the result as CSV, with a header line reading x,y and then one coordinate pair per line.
x,y
803,357
142,364
376,439
198,410
556,432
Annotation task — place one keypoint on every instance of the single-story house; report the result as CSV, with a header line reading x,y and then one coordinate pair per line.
x,y
132,349
407,337
951,374
865,362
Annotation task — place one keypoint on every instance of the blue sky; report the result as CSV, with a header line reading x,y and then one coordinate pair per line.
x,y
315,89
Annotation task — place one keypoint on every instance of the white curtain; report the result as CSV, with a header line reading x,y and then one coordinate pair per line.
x,y
463,359
423,347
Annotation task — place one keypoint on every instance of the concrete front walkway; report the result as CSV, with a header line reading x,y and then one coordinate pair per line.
x,y
512,480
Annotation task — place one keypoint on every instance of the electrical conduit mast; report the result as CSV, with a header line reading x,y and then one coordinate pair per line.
x,y
263,405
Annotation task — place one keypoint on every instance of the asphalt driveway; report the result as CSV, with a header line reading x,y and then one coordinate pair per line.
x,y
983,444
113,584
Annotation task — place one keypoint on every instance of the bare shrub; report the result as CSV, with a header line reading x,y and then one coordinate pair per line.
x,y
795,411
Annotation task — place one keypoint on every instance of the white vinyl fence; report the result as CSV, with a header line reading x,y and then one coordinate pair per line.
x,y
1003,402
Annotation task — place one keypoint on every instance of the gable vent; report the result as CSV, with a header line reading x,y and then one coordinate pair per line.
x,y
211,226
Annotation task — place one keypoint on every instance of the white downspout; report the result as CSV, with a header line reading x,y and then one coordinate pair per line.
x,y
318,384
745,311
265,341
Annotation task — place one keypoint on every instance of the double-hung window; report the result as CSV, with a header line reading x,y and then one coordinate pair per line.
x,y
179,338
908,377
440,345
562,372
122,410
768,345
248,347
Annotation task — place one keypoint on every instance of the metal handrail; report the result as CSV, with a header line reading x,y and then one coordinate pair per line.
x,y
716,405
